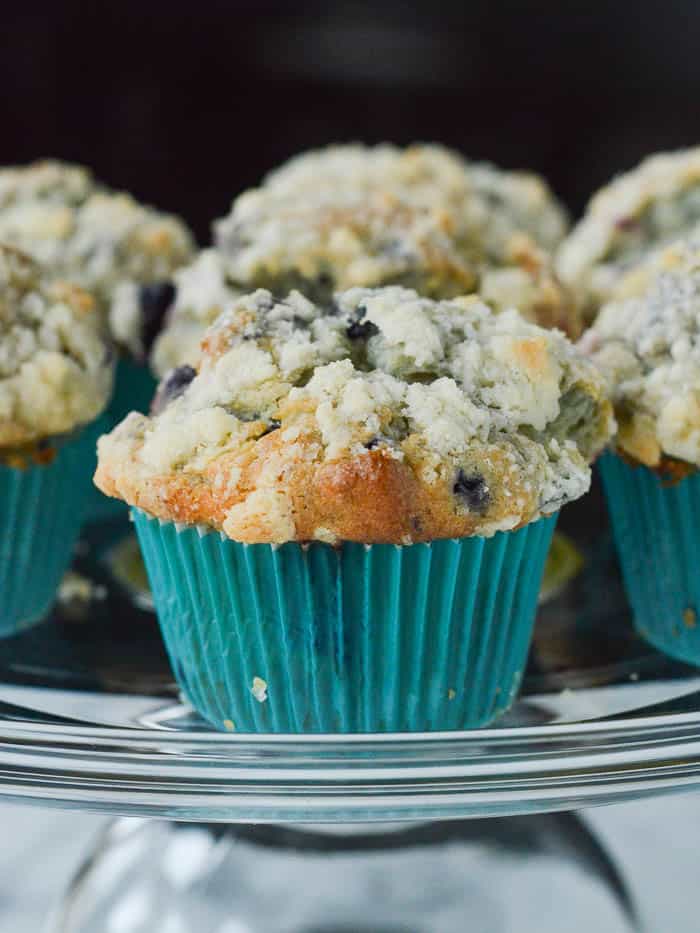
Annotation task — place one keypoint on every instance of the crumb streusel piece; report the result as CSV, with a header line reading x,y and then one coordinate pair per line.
x,y
382,417
56,367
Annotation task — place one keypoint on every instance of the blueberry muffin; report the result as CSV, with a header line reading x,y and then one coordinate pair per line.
x,y
422,217
648,349
384,473
56,371
626,223
121,251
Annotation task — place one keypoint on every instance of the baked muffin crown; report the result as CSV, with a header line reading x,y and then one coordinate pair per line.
x,y
639,211
56,366
104,241
494,203
386,416
648,349
422,217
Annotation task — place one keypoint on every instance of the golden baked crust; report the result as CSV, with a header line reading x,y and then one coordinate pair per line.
x,y
421,217
605,255
387,417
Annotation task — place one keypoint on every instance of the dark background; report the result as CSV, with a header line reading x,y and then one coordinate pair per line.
x,y
184,104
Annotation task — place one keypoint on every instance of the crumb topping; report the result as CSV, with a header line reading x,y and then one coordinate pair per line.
x,y
104,241
47,180
422,217
202,293
55,365
648,348
639,211
492,419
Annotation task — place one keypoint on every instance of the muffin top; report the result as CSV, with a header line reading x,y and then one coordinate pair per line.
x,y
201,294
495,203
384,417
422,217
104,241
638,212
648,349
55,364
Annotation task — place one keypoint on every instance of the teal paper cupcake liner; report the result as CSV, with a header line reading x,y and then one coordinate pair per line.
x,y
41,511
657,534
134,387
298,639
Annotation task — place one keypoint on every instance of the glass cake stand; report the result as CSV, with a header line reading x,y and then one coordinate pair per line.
x,y
90,718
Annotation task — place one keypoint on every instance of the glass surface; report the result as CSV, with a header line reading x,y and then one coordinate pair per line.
x,y
90,717
515,875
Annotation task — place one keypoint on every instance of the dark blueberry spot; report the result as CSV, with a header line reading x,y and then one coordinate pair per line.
x,y
394,249
471,488
235,238
625,224
359,329
180,378
248,417
416,524
272,425
325,280
172,387
372,443
154,299
493,199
